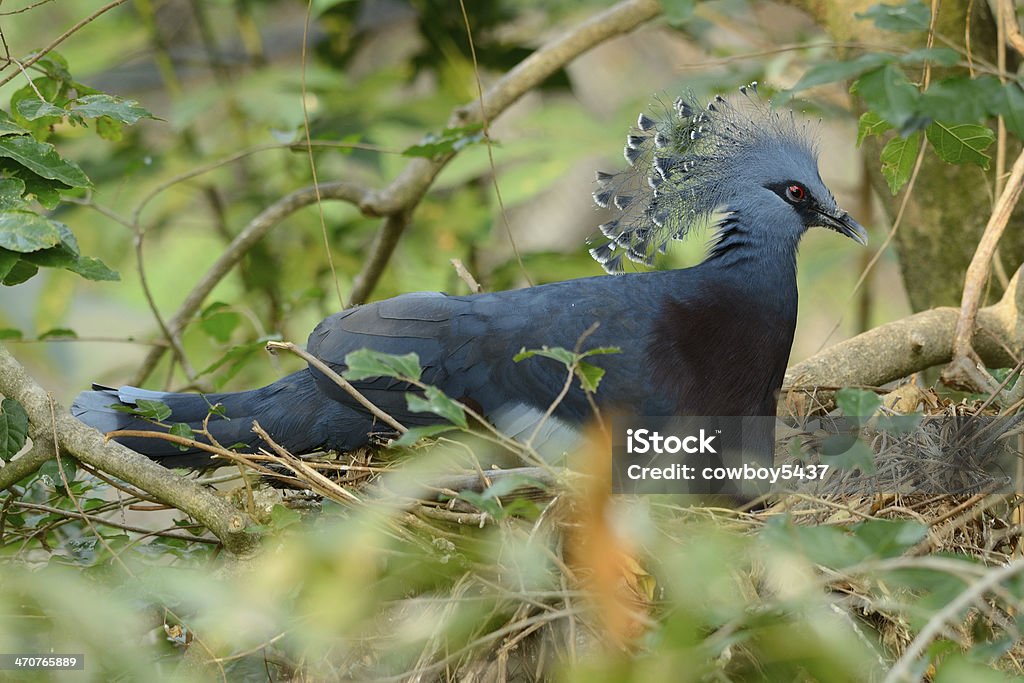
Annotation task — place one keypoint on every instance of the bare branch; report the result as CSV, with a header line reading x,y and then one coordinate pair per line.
x,y
903,347
384,244
243,242
962,370
398,199
88,445
340,381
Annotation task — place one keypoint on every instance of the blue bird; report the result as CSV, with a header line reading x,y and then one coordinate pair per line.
x,y
713,339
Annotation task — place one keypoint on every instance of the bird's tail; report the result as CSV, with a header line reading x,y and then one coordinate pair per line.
x,y
228,418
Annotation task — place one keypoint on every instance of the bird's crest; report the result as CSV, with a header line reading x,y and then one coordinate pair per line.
x,y
684,160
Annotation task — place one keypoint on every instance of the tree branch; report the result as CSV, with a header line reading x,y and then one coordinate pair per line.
x,y
88,445
915,343
962,370
397,201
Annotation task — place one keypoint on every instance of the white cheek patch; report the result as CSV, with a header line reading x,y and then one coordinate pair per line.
x,y
554,439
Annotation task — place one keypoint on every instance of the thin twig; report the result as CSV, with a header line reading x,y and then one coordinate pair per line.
x,y
901,670
62,37
340,381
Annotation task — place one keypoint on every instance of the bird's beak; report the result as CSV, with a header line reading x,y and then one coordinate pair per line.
x,y
844,224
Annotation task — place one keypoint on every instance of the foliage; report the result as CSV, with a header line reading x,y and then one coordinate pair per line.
x,y
369,591
952,111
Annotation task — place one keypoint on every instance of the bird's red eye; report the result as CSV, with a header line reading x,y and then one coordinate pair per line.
x,y
796,193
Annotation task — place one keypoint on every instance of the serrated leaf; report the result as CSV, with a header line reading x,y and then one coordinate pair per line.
x,y
961,143
870,124
59,333
25,231
895,99
42,159
832,71
95,106
898,158
906,17
218,321
416,433
435,401
590,376
563,356
93,269
13,427
367,363
857,403
447,141
33,109
183,430
151,409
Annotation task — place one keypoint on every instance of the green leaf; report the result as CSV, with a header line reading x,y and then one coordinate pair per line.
x,y
847,452
151,409
563,356
907,17
832,71
1008,102
898,158
957,668
13,427
25,231
870,124
11,190
59,333
219,323
10,333
20,272
9,127
890,538
282,517
829,546
60,256
33,109
960,99
52,471
8,259
447,141
888,92
95,106
93,269
858,403
416,433
435,401
962,143
42,159
367,363
590,376
940,56
183,430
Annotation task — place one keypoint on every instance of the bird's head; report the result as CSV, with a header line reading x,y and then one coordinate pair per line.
x,y
741,159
